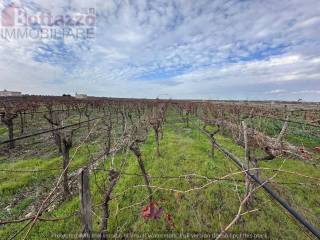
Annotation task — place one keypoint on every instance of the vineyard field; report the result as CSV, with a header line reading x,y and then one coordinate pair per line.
x,y
156,167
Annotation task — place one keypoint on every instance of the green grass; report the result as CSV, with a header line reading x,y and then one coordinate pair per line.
x,y
19,190
297,134
3,133
183,151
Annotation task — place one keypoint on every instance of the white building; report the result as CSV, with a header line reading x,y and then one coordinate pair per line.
x,y
6,93
80,96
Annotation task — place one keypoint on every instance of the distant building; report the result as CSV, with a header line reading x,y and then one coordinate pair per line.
x,y
80,96
6,93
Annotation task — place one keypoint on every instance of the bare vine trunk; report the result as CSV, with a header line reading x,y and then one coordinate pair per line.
x,y
113,176
10,133
66,140
135,149
156,133
57,141
21,123
66,160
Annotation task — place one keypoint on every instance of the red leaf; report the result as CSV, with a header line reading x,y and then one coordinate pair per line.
x,y
151,211
169,219
158,213
317,149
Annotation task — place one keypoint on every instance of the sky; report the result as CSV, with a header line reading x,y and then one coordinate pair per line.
x,y
215,49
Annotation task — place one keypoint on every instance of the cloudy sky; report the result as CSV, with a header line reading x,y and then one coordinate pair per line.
x,y
215,49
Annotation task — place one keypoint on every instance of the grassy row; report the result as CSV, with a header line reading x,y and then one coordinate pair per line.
x,y
183,151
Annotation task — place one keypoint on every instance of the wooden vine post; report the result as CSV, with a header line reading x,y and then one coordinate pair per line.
x,y
246,162
85,203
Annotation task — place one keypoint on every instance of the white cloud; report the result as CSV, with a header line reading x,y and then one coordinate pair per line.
x,y
183,48
277,91
317,92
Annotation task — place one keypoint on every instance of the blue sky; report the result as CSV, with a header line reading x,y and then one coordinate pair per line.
x,y
213,49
